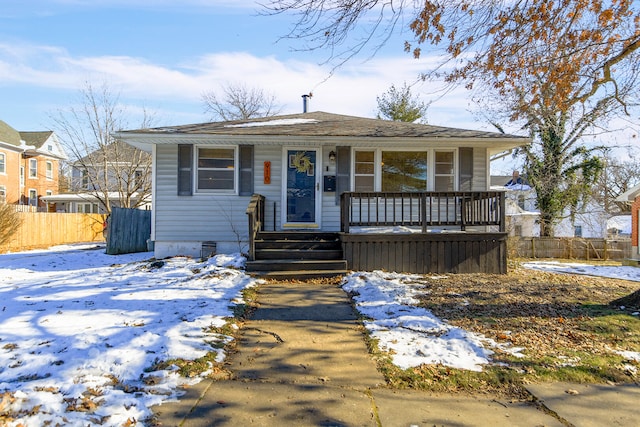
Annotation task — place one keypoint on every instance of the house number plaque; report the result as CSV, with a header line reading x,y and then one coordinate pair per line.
x,y
267,172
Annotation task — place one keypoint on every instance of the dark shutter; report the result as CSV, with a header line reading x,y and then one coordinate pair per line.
x,y
246,170
343,169
465,158
185,170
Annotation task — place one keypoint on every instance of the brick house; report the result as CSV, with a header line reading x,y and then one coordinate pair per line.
x,y
29,166
632,197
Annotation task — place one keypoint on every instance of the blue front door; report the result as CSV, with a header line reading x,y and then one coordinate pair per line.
x,y
302,187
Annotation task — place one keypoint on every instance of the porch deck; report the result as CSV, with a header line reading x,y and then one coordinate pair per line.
x,y
424,232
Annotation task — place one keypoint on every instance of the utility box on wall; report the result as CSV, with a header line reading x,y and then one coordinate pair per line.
x,y
329,183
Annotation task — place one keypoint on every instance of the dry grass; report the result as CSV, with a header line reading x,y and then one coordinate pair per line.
x,y
565,324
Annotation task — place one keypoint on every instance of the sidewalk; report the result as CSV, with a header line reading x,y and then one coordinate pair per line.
x,y
302,361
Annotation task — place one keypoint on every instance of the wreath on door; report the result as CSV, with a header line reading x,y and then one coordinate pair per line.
x,y
301,162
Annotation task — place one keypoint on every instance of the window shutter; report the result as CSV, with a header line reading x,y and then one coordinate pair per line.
x,y
343,168
246,170
185,170
465,158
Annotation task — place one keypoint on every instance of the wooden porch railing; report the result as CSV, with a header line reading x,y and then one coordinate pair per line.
x,y
255,214
423,209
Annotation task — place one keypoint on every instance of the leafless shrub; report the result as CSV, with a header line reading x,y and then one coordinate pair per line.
x,y
10,221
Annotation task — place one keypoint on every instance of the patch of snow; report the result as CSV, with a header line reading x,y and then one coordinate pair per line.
x,y
610,271
277,122
413,335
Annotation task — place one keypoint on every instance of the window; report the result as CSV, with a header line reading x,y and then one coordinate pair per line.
x,y
216,169
21,176
87,208
364,176
85,179
444,171
3,163
404,171
33,168
521,201
49,170
578,230
3,194
33,197
517,231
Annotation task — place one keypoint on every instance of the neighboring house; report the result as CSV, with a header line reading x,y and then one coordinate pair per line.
x,y
89,203
632,197
523,216
316,172
29,166
117,175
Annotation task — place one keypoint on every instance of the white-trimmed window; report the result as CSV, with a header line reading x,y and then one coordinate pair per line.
x,y
3,163
33,168
216,169
86,207
404,170
21,176
364,171
33,197
49,170
3,194
444,177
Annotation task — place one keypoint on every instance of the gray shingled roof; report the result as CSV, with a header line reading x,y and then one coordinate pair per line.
x,y
320,124
9,135
36,138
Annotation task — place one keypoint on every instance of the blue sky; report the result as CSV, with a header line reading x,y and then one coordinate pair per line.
x,y
164,54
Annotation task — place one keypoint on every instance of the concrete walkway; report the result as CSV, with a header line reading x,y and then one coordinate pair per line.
x,y
302,361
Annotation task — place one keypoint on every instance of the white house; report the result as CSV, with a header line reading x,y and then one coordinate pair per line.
x,y
204,175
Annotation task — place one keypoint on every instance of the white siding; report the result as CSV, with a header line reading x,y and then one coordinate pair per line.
x,y
272,192
182,223
197,218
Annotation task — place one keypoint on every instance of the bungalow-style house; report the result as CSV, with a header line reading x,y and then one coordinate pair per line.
x,y
29,165
325,191
632,196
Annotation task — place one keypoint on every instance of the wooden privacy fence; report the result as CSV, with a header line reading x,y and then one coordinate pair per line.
x,y
42,229
569,248
128,231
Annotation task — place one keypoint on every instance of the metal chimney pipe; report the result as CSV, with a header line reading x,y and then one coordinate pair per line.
x,y
305,102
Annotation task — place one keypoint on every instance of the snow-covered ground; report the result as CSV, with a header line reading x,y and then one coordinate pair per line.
x,y
80,331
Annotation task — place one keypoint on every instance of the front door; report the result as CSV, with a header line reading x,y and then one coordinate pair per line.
x,y
302,189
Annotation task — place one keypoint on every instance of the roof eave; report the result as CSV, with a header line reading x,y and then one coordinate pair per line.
x,y
145,141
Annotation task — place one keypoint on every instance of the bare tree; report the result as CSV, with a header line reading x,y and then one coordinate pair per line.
x,y
239,102
111,171
618,176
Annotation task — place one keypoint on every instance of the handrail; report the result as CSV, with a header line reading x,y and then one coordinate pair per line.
x,y
255,214
423,209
